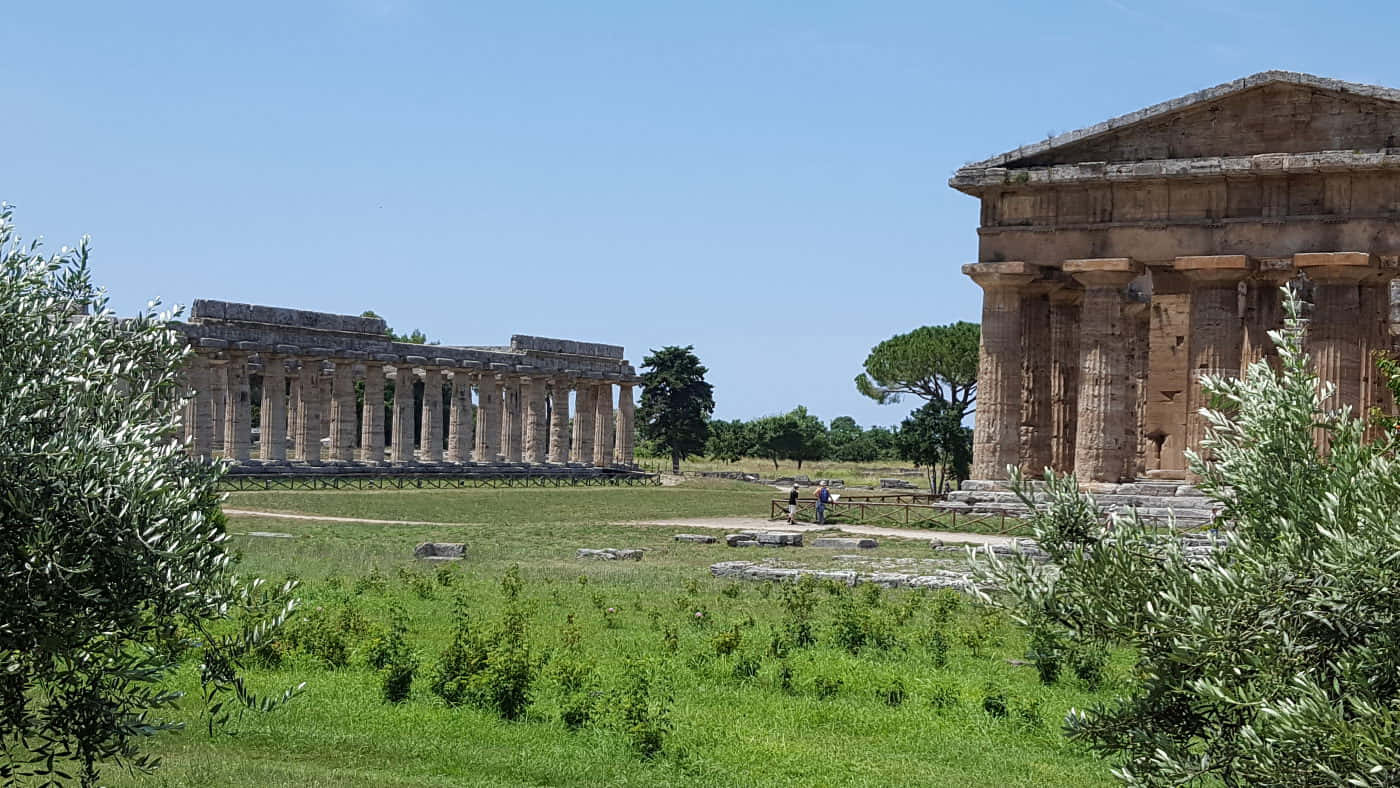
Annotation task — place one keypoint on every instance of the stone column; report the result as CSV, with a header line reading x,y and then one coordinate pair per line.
x,y
372,414
1374,298
342,417
1100,444
626,425
238,412
603,427
309,411
218,389
1216,335
401,446
488,417
200,373
1137,314
1064,375
1337,330
461,432
512,420
431,430
996,434
294,405
1263,312
1035,421
535,420
585,410
559,420
272,421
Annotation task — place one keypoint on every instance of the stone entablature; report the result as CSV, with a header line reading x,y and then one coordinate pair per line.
x,y
308,364
1122,262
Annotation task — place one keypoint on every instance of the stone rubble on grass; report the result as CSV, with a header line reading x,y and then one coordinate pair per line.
x,y
440,551
897,484
749,570
696,538
266,534
610,554
839,543
764,539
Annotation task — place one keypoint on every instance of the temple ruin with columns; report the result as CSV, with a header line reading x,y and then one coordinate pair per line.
x,y
455,410
1121,262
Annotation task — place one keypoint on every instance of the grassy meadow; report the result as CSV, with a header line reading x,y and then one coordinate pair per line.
x,y
667,675
855,474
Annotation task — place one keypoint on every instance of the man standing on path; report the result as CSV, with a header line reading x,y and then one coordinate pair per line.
x,y
792,505
823,498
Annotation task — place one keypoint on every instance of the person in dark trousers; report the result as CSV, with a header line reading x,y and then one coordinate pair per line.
x,y
823,498
792,505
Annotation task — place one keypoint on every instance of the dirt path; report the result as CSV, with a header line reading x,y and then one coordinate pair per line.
x,y
762,524
329,519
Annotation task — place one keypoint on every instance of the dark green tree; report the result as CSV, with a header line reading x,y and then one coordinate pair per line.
x,y
729,441
796,435
112,545
931,362
934,438
676,402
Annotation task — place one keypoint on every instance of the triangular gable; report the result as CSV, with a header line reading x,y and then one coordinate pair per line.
x,y
1269,112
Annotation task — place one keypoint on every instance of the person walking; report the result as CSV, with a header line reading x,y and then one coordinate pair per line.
x,y
792,505
823,498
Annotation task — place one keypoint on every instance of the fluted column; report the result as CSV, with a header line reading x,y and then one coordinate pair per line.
x,y
1064,375
559,420
1337,330
1374,298
1035,428
431,430
996,434
1216,332
536,421
238,410
343,420
218,389
294,406
585,410
372,412
512,420
401,446
272,420
1263,312
488,419
604,426
626,425
309,412
200,373
1137,314
461,432
1101,446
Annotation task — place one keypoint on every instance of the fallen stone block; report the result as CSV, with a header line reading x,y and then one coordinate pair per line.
x,y
696,538
440,551
743,536
843,543
610,554
780,538
745,543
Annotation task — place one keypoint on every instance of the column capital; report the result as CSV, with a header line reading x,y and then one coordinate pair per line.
x,y
1004,274
1219,270
1339,268
1104,272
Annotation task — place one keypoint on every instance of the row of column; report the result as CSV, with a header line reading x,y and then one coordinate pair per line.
x,y
520,415
1065,362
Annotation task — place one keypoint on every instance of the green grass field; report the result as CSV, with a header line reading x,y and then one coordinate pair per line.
x,y
864,474
727,728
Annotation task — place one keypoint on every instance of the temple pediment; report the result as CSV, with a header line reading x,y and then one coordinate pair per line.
x,y
1270,112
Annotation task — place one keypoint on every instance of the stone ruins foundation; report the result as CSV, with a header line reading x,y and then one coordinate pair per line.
x,y
308,365
1121,262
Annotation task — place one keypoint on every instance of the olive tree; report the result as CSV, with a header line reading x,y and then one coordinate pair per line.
x,y
1271,659
112,557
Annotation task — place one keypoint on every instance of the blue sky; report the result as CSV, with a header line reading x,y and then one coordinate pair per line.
x,y
764,180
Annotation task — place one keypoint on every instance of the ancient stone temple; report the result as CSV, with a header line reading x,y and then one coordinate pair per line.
x,y
1121,262
467,407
